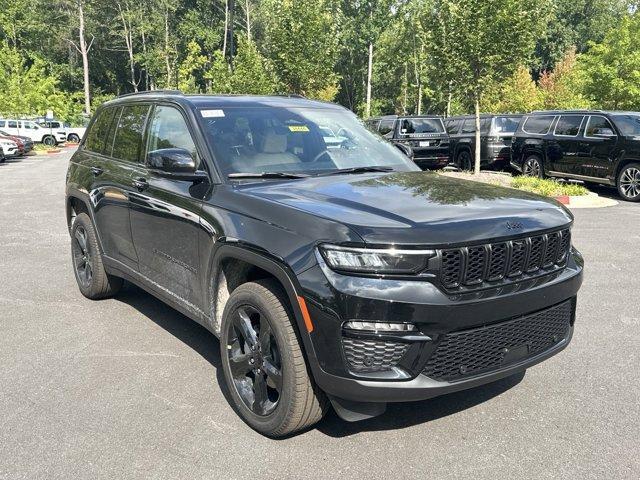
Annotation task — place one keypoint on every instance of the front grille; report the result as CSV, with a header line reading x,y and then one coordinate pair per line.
x,y
474,266
470,352
372,355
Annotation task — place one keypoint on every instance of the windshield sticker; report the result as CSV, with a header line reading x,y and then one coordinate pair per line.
x,y
298,128
212,113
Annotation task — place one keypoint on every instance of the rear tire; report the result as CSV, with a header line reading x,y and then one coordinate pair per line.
x,y
628,182
269,384
93,281
463,160
532,167
73,138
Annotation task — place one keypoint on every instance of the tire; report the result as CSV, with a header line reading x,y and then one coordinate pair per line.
x,y
532,167
628,182
49,141
258,336
463,160
93,281
73,138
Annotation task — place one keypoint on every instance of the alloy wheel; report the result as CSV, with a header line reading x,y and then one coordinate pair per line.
x,y
82,257
630,182
531,167
254,360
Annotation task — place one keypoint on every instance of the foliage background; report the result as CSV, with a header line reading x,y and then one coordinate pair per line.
x,y
581,53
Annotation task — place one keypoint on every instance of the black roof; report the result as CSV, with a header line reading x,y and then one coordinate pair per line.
x,y
220,101
393,117
484,115
583,112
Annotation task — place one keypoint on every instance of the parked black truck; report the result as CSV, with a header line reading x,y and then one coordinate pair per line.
x,y
590,145
496,132
422,137
332,276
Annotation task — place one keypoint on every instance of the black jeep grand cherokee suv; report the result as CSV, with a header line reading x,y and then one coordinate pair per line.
x,y
593,146
342,275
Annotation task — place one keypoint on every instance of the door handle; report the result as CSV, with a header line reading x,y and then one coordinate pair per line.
x,y
96,171
141,184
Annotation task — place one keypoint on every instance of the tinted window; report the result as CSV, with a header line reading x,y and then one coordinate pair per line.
x,y
417,126
128,139
169,130
13,124
386,127
568,125
628,124
469,125
598,125
505,125
453,126
97,135
1,123
538,124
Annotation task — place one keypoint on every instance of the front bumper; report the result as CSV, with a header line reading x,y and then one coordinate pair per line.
x,y
437,315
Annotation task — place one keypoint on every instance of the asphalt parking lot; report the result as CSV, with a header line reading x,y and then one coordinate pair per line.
x,y
129,388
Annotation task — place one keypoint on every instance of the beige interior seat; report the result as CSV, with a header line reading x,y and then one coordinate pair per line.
x,y
271,150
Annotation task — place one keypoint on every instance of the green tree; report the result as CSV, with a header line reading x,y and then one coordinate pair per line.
x,y
485,40
301,41
611,69
562,88
252,73
516,94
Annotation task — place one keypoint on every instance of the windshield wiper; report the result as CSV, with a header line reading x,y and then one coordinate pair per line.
x,y
267,175
359,170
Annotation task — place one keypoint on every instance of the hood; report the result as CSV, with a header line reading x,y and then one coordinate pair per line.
x,y
418,208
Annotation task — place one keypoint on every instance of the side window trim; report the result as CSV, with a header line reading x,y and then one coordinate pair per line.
x,y
115,121
568,136
586,127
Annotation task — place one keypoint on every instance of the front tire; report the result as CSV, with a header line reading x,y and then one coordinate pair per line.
x,y
264,367
93,281
532,167
628,182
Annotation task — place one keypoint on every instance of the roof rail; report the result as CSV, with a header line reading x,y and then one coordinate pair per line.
x,y
574,110
151,92
289,95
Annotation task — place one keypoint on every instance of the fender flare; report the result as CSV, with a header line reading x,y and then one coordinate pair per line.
x,y
280,271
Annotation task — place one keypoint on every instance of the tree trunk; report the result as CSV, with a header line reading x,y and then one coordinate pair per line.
x,y
166,46
84,52
248,20
369,73
226,28
419,98
449,97
128,41
476,169
231,25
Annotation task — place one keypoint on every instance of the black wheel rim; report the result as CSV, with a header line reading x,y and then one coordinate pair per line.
x,y
465,161
630,182
82,257
531,168
48,141
254,360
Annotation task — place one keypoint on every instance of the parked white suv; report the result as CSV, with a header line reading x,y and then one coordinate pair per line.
x,y
35,132
9,147
73,134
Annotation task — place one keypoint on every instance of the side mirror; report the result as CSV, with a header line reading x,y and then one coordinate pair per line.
x,y
603,132
175,163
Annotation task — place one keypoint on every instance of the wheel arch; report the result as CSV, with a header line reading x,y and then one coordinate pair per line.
x,y
623,163
234,265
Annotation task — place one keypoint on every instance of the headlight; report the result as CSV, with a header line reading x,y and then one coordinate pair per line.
x,y
367,260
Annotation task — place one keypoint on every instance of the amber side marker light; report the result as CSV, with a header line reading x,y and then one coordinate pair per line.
x,y
305,314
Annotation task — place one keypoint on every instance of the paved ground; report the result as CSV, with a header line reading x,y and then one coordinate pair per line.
x,y
129,388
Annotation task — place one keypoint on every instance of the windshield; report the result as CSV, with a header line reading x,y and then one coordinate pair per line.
x,y
418,126
505,125
274,139
628,124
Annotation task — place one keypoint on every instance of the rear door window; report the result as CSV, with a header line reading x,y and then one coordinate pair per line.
x,y
452,126
97,135
469,125
127,143
538,125
13,124
568,125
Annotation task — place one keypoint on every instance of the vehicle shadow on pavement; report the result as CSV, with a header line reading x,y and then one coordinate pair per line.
x,y
174,322
403,415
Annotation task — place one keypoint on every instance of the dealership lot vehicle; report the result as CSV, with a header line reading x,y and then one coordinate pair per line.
x,y
422,138
72,134
496,132
233,210
595,146
31,129
25,144
9,147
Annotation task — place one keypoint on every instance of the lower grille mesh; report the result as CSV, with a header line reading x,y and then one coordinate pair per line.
x,y
488,348
372,355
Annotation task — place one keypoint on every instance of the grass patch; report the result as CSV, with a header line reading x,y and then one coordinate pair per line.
x,y
41,147
547,186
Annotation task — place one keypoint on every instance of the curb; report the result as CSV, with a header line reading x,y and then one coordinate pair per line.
x,y
591,200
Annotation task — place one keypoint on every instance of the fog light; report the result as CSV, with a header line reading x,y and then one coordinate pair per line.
x,y
380,326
